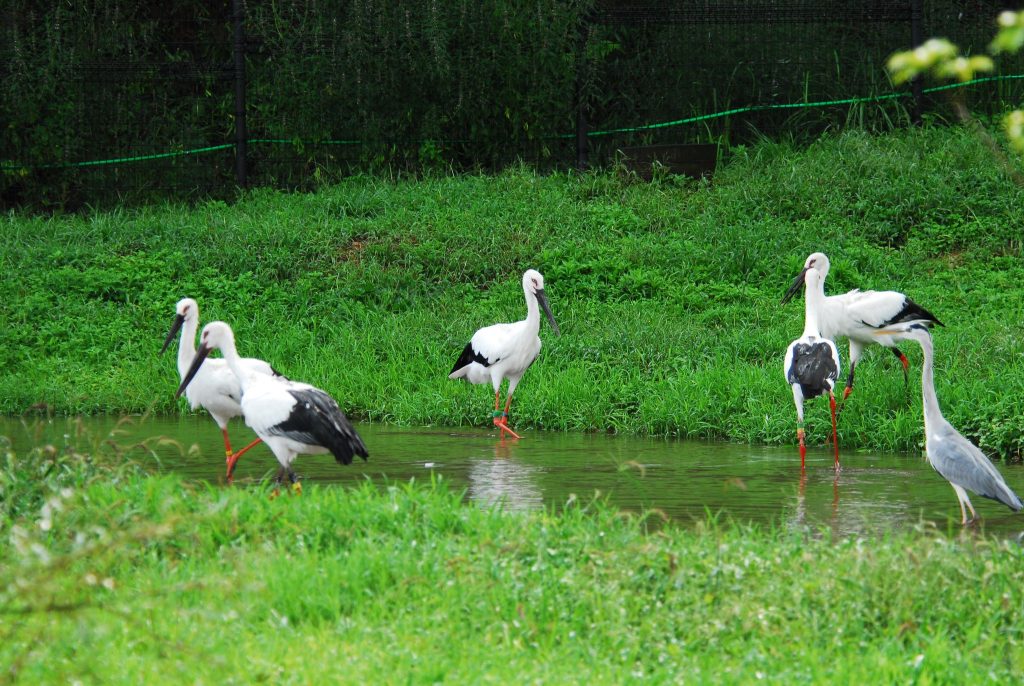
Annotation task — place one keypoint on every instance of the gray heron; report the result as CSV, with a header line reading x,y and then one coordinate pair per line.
x,y
955,458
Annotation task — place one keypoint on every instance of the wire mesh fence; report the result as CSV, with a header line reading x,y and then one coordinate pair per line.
x,y
114,100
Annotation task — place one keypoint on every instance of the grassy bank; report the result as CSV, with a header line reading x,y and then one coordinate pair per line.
x,y
112,576
667,293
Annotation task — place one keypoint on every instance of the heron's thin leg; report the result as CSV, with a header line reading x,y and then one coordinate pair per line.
x,y
835,437
960,498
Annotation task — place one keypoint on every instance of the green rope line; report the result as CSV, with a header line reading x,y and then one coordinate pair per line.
x,y
289,141
605,132
785,106
739,110
118,160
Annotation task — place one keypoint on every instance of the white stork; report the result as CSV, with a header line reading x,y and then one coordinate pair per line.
x,y
215,387
859,315
958,460
812,363
503,351
291,417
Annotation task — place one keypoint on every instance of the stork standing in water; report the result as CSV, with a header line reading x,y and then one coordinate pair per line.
x,y
215,387
505,351
812,363
291,417
958,460
860,315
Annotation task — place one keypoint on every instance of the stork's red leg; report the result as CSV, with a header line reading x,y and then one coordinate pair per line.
x,y
233,459
846,391
504,419
906,365
501,418
227,444
497,413
835,437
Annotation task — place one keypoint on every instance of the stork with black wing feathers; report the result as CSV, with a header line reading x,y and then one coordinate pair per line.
x,y
291,417
506,351
812,364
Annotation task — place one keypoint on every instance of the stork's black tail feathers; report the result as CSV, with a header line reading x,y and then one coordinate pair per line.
x,y
468,357
912,312
318,415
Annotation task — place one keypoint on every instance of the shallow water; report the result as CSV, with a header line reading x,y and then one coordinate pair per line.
x,y
684,480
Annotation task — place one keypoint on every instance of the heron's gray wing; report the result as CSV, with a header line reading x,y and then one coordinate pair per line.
x,y
963,464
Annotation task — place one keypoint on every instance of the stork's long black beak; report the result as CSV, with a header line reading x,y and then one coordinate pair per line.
x,y
795,287
542,298
175,328
196,364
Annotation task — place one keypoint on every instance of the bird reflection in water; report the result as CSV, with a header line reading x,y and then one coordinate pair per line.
x,y
502,480
799,518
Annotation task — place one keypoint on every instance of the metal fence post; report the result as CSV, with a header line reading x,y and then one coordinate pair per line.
x,y
241,133
582,142
916,38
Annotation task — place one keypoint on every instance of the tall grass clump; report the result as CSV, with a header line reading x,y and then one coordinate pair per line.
x,y
667,293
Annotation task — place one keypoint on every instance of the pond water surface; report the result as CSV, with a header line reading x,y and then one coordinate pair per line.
x,y
685,480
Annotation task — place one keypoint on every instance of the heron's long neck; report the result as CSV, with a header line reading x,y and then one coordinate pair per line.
x,y
532,311
814,300
932,414
187,345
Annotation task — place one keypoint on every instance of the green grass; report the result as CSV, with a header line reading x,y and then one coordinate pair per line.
x,y
667,293
112,576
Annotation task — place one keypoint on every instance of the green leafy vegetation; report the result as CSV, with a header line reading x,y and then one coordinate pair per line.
x,y
117,577
467,85
667,293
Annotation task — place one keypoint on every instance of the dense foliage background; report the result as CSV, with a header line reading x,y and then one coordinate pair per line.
x,y
341,85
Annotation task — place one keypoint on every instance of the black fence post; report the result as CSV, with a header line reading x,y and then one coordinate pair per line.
x,y
582,127
916,38
241,133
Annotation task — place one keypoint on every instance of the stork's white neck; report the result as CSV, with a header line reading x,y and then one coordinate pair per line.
x,y
187,344
814,300
532,311
230,353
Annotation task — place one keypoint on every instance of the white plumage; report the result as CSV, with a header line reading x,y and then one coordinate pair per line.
x,y
811,364
958,460
291,417
859,315
215,387
505,351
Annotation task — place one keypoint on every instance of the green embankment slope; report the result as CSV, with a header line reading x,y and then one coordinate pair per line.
x,y
667,293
